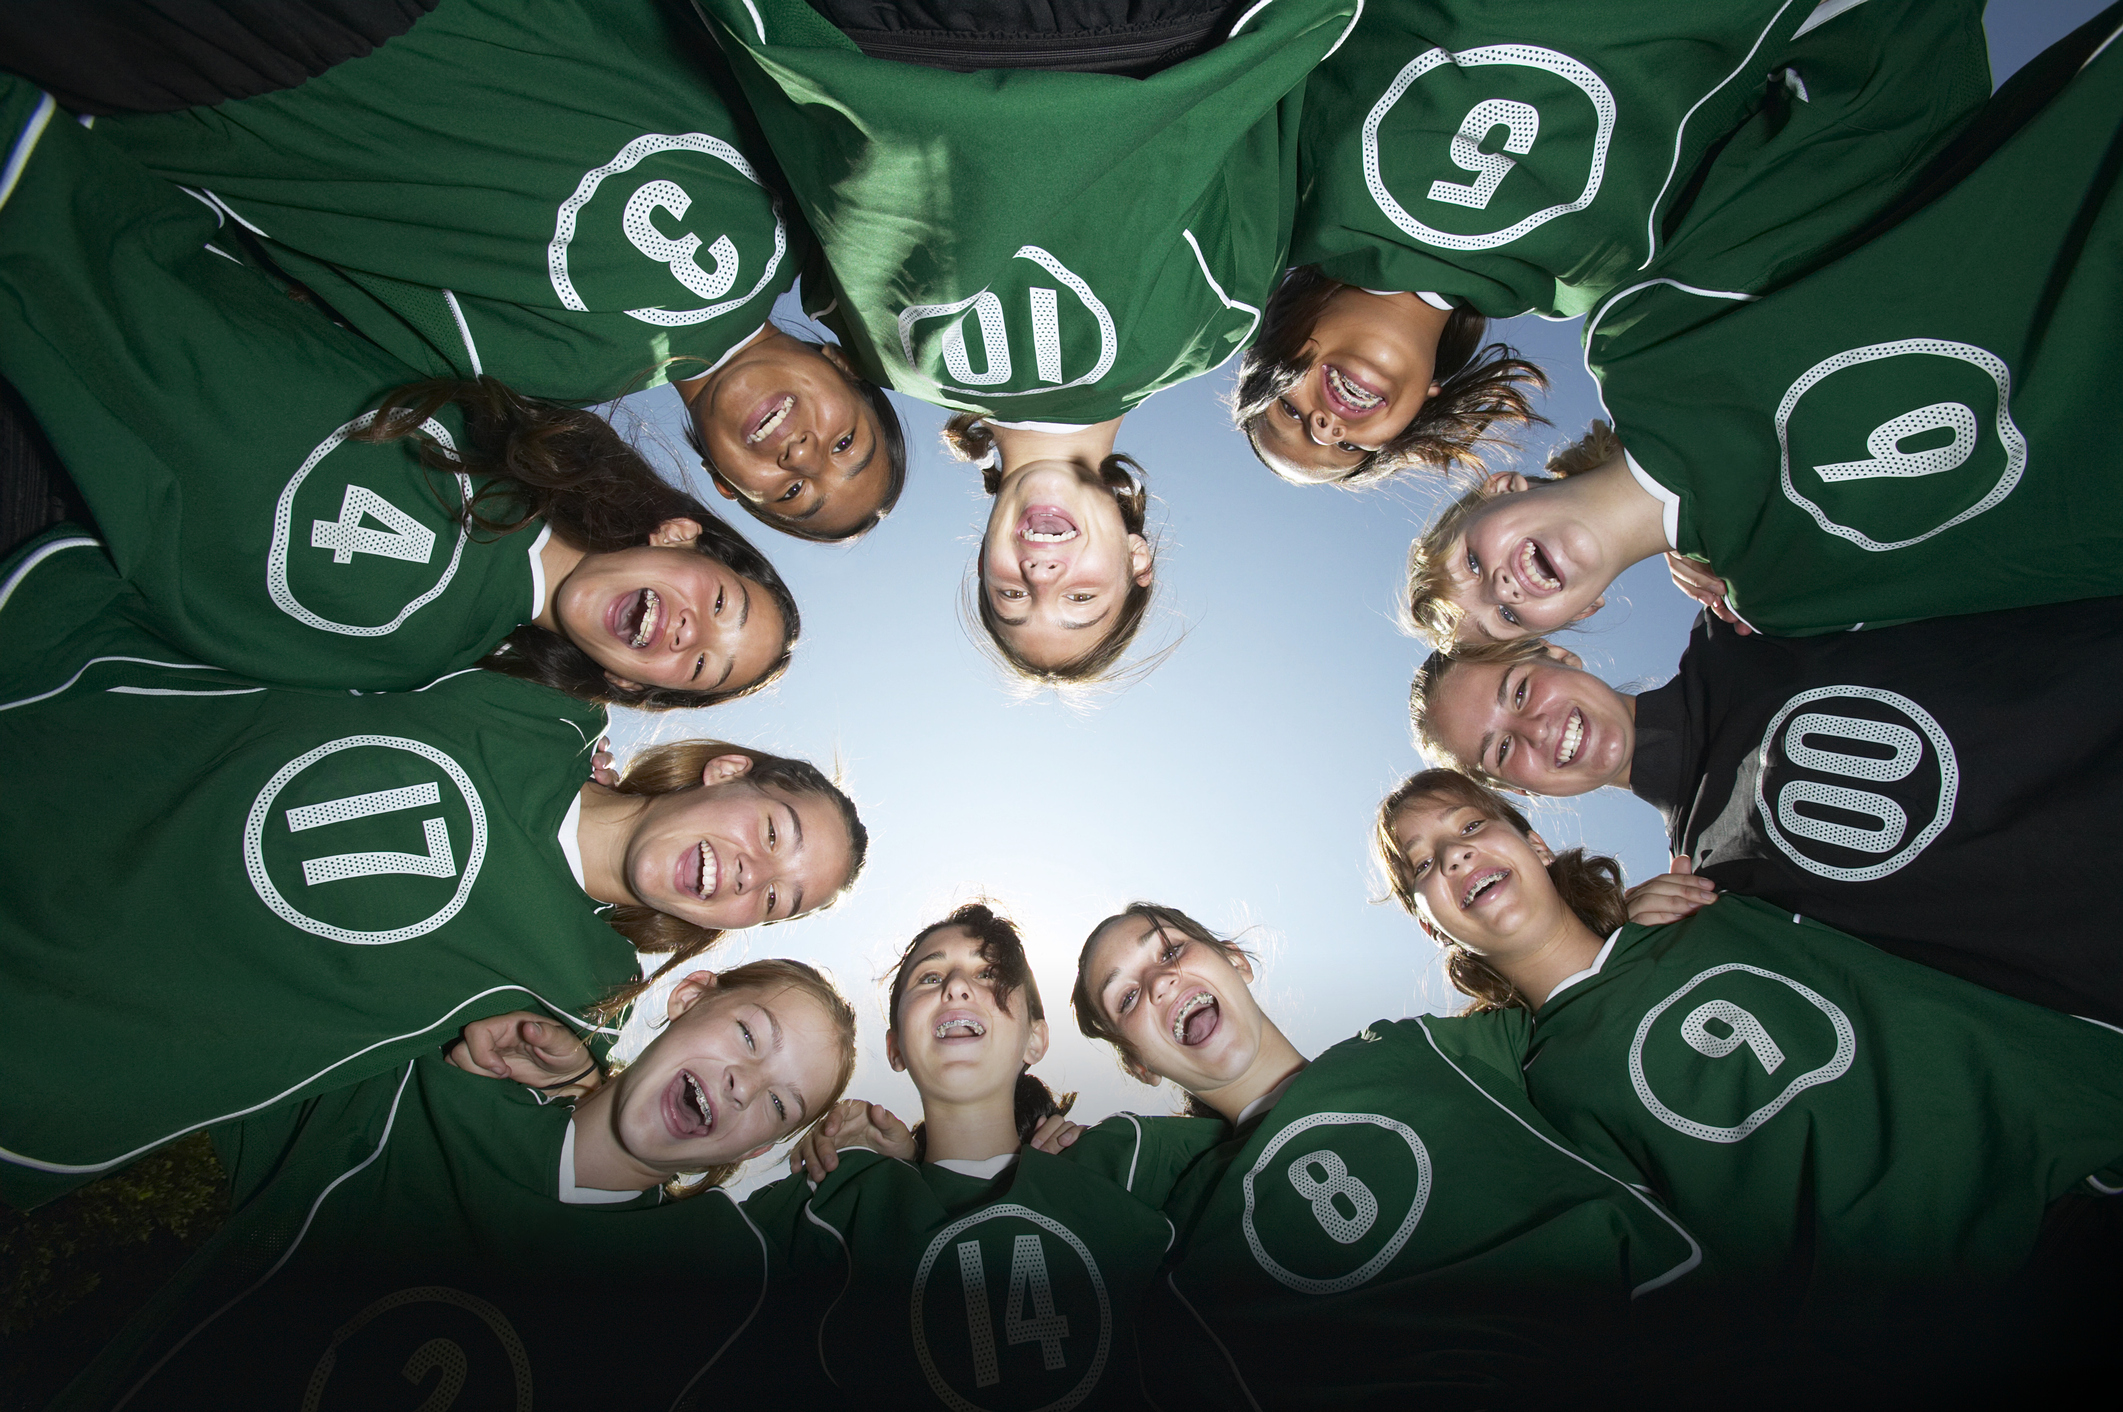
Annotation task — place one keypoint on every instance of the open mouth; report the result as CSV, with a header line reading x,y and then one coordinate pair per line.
x,y
688,1112
1196,1019
698,871
1044,524
1350,397
1573,737
1536,571
634,618
959,1027
1482,886
769,419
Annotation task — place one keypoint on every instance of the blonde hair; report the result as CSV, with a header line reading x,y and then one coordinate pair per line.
x,y
1591,887
1427,608
1429,681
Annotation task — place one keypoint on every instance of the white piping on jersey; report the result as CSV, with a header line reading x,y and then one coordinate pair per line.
x,y
26,143
2102,1023
147,661
1735,607
222,253
234,214
1129,1185
66,1169
849,1260
2104,1188
176,691
86,119
538,545
464,331
1669,501
2103,48
1347,30
7,590
1228,301
1232,1363
979,1168
390,1121
220,218
757,23
1823,13
460,672
1680,135
1242,19
1592,970
1592,324
1695,1251
757,1304
571,842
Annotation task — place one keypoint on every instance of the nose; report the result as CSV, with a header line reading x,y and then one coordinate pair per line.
x,y
1040,569
958,985
799,450
1505,585
1323,429
1458,857
739,1084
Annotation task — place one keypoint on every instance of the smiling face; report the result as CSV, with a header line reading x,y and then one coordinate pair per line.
x,y
733,854
784,429
1523,564
1186,1013
951,1030
737,1071
1371,362
666,615
1479,881
1542,726
1057,561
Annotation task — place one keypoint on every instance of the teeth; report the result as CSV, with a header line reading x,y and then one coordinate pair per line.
x,y
1042,537
1187,1007
971,1027
650,611
708,871
1349,392
700,1100
774,419
1530,567
1481,887
1573,736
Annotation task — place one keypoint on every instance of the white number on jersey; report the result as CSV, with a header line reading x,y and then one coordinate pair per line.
x,y
1043,306
1742,1027
437,862
1889,459
1873,823
1725,1103
1029,1284
1321,1191
681,255
438,1353
406,539
1521,123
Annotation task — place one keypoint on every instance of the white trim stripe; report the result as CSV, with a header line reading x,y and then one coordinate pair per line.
x,y
1695,1256
464,331
846,1256
25,143
1232,1363
390,1121
757,1304
7,590
1228,301
1823,13
1243,20
234,214
757,23
147,661
175,691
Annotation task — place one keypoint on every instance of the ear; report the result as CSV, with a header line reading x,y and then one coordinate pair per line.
x,y
675,534
621,682
1241,964
688,992
897,1060
1141,1073
1036,1043
722,487
1541,850
1142,564
1589,609
1504,483
1436,389
1559,653
724,768
833,353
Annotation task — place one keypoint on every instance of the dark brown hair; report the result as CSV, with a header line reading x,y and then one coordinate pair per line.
x,y
891,433
534,461
1091,1020
969,439
1591,887
1481,389
1003,948
674,767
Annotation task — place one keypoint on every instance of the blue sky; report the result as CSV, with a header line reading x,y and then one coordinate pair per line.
x,y
1236,782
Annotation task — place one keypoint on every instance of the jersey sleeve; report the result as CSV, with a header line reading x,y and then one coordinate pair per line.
x,y
1145,1156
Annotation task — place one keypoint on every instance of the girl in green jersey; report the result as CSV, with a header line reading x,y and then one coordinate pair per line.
x,y
1390,1215
280,523
1845,1130
426,1214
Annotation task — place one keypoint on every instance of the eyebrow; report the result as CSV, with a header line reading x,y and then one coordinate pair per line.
x,y
1079,627
1114,974
818,502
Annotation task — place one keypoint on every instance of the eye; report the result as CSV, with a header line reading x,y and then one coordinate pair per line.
x,y
1346,446
1474,563
1420,870
746,1030
781,1112
795,489
1013,594
844,443
1127,1001
771,834
1510,617
1503,751
1289,411
1171,949
1084,597
719,594
1474,826
772,894
1518,693
698,664
929,978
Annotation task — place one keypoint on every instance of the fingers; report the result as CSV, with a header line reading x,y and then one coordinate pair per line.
x,y
1669,897
1055,1133
1682,863
553,1047
603,768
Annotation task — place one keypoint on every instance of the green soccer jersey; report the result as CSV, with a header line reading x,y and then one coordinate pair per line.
x,y
1402,1218
1038,245
413,1240
1824,1115
981,1292
233,896
206,418
1911,431
557,193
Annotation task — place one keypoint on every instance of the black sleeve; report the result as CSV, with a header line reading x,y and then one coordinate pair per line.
x,y
1135,38
156,56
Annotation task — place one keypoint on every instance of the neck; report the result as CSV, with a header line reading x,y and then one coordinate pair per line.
x,y
1277,1060
1629,760
606,824
971,1131
601,1162
691,388
1536,972
1630,520
1087,446
556,560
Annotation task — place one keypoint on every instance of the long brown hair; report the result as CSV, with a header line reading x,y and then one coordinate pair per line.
x,y
968,439
1429,680
1482,390
533,461
1003,948
1590,886
1091,1020
775,973
672,768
